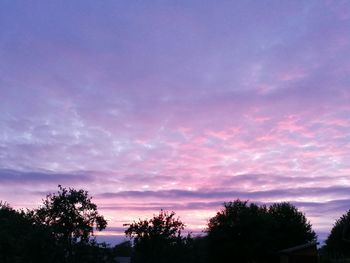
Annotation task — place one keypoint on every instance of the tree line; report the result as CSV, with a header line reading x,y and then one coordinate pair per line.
x,y
62,230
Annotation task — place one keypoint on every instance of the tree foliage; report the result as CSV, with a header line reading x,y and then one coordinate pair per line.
x,y
158,239
123,249
237,231
72,217
252,233
21,240
288,227
59,231
338,241
71,214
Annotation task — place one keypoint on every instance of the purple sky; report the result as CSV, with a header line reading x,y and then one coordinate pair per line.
x,y
180,105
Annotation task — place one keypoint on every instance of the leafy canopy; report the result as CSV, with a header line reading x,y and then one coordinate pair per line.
x,y
71,214
254,232
21,240
288,226
158,239
338,242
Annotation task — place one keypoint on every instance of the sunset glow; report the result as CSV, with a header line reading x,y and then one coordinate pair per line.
x,y
177,105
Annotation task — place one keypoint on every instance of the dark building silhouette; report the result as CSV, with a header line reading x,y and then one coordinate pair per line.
x,y
306,253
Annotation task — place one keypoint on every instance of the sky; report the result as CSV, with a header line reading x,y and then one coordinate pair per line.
x,y
177,105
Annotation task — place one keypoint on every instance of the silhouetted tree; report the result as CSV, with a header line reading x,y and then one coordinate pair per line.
x,y
71,216
288,227
123,249
159,239
247,232
59,231
338,241
198,249
21,240
237,232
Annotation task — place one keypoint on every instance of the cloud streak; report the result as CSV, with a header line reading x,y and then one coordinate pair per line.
x,y
18,177
229,195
